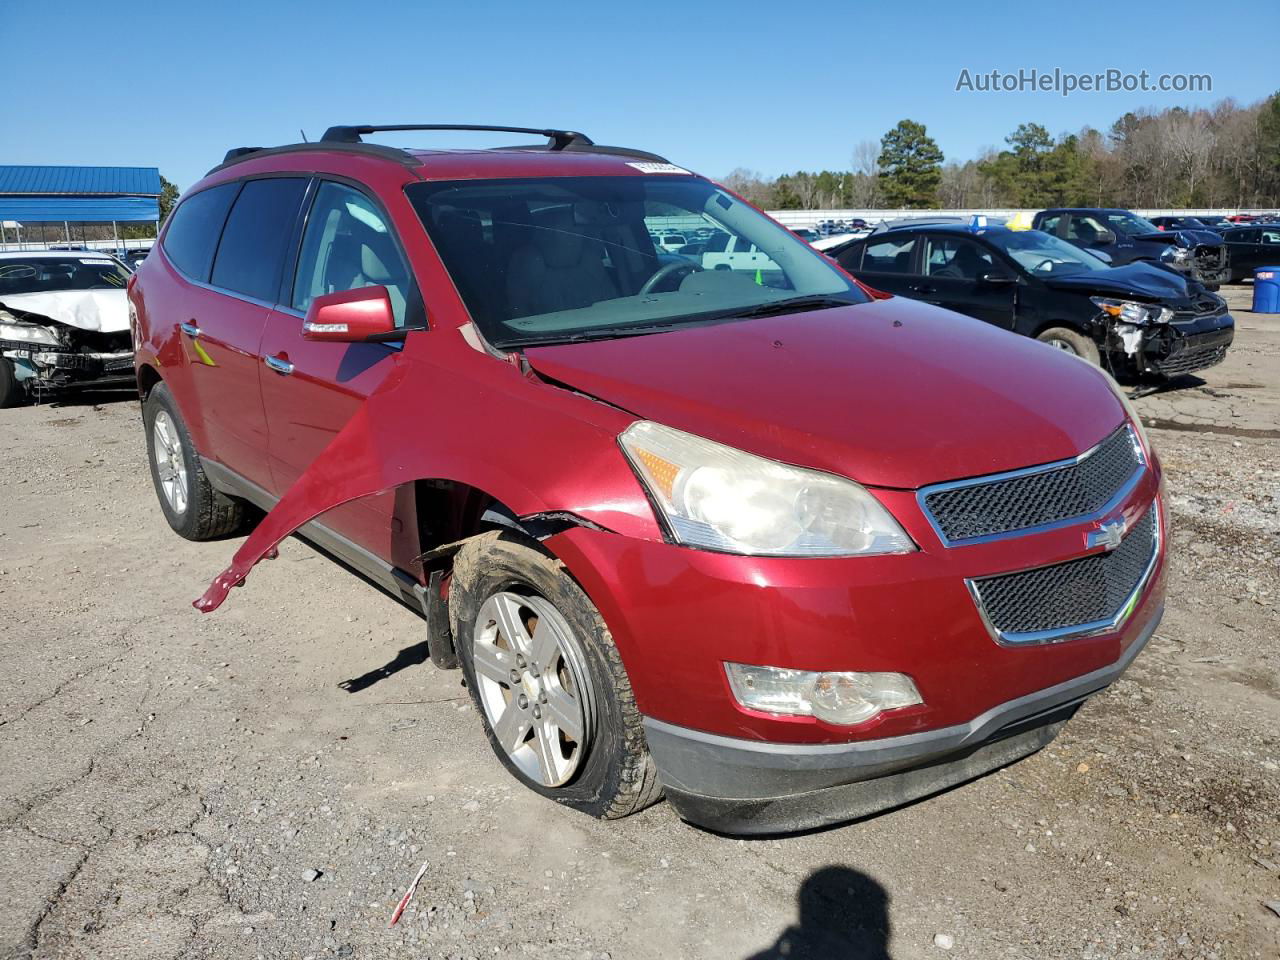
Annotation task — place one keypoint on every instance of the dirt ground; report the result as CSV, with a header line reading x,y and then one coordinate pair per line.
x,y
264,782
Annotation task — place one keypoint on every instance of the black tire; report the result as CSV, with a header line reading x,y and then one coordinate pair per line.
x,y
208,513
1071,341
11,392
617,776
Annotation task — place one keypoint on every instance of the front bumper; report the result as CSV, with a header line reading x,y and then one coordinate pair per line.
x,y
748,787
49,367
1184,347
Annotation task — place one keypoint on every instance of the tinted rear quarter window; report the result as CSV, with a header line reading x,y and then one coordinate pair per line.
x,y
258,231
193,232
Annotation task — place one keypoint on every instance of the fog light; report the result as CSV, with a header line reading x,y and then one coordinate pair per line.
x,y
842,697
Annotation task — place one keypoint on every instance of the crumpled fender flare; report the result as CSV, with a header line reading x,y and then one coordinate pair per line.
x,y
571,460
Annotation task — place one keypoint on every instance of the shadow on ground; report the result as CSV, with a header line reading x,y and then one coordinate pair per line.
x,y
843,913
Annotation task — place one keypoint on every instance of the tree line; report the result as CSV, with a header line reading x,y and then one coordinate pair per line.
x,y
1227,156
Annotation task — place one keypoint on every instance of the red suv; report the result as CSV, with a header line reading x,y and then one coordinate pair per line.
x,y
752,536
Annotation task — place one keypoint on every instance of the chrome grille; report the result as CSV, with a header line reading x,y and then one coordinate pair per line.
x,y
1008,503
1088,595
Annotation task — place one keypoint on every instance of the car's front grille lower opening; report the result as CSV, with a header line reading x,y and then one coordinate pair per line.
x,y
1076,594
1190,360
975,509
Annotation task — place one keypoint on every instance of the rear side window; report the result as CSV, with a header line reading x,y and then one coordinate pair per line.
x,y
1085,229
194,229
956,258
889,256
1050,224
258,231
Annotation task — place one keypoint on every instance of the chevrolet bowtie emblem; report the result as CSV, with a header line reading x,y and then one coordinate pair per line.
x,y
1107,535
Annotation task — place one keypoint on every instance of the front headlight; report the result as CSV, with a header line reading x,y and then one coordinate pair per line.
x,y
1132,312
1177,254
843,697
29,333
720,498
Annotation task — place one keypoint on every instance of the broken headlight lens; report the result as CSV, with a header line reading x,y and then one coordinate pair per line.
x,y
1131,312
720,498
29,333
842,697
1176,254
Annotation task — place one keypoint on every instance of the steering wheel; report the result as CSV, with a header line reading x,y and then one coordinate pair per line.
x,y
668,270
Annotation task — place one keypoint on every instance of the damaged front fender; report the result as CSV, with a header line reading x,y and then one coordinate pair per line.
x,y
559,459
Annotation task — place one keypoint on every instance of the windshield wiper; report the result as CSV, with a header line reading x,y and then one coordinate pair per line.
x,y
609,333
774,307
791,305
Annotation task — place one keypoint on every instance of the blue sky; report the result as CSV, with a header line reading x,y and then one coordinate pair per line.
x,y
770,86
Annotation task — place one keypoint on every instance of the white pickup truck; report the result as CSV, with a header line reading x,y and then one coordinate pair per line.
x,y
726,252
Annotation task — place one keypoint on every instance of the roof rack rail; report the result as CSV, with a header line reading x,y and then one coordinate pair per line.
x,y
557,139
235,153
241,154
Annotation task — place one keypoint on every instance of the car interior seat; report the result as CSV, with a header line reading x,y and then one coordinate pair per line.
x,y
561,268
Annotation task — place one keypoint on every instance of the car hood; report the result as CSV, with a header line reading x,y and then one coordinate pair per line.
x,y
1183,238
104,311
892,393
1132,280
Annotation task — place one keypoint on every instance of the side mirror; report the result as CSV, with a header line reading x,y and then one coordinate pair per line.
x,y
351,316
996,279
1105,238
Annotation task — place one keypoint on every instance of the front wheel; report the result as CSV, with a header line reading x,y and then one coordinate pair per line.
x,y
1070,341
547,679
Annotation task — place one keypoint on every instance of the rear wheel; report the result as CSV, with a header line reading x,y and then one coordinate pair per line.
x,y
1070,341
192,506
11,392
547,679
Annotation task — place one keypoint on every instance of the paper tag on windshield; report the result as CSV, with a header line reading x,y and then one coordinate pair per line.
x,y
98,262
648,167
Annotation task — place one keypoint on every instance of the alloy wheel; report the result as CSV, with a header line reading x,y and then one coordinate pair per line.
x,y
171,466
528,668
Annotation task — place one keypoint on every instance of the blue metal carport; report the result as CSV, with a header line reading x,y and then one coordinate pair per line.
x,y
39,195
79,194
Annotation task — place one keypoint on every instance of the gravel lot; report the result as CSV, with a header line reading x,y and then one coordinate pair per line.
x,y
264,782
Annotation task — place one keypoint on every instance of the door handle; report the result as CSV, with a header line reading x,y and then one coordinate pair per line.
x,y
279,365
923,288
190,329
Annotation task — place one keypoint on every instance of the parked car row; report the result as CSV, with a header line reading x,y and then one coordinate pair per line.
x,y
1136,318
731,527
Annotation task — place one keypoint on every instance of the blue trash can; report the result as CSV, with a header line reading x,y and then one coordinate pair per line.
x,y
1266,290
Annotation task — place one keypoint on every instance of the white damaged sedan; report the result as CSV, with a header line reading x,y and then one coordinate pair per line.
x,y
64,321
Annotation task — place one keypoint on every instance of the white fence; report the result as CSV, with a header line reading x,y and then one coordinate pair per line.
x,y
55,244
